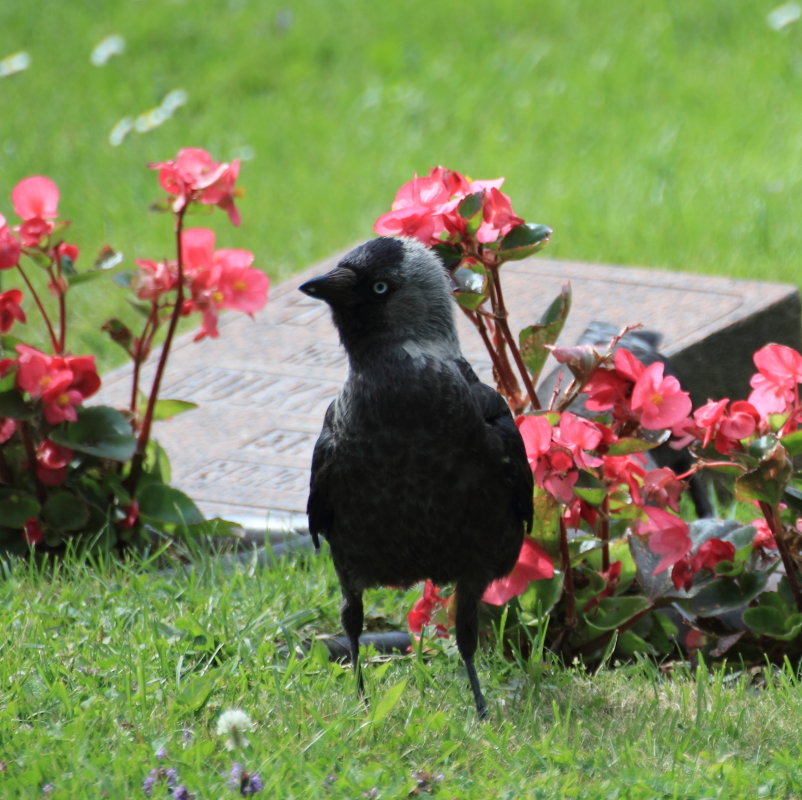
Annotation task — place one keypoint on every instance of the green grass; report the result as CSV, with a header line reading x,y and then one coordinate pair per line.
x,y
651,132
654,132
104,664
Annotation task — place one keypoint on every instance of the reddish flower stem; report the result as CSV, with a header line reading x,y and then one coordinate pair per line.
x,y
772,516
53,340
143,348
501,321
30,453
568,584
604,533
147,421
502,371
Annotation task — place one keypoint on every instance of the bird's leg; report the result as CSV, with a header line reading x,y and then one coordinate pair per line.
x,y
352,617
467,639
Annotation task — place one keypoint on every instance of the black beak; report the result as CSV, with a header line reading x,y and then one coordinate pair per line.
x,y
335,287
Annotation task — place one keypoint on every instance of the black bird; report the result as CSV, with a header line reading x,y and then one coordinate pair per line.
x,y
419,471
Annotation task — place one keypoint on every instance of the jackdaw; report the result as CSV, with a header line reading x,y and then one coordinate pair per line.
x,y
419,471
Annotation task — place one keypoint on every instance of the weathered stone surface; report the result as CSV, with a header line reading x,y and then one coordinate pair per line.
x,y
264,385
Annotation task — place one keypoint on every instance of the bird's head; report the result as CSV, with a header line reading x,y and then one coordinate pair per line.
x,y
389,292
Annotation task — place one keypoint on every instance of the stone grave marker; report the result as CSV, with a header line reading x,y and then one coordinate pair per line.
x,y
264,385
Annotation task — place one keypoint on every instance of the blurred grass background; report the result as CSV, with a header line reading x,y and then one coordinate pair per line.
x,y
664,133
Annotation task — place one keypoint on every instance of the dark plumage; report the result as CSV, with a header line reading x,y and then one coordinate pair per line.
x,y
419,471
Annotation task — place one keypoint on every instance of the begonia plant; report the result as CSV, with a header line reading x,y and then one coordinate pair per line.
x,y
69,469
620,561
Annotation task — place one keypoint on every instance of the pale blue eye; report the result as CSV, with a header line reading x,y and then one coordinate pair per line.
x,y
380,287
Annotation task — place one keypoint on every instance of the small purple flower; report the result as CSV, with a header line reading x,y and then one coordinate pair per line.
x,y
150,780
171,775
161,753
252,785
247,783
181,793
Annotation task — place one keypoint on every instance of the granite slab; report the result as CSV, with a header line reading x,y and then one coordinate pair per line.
x,y
264,385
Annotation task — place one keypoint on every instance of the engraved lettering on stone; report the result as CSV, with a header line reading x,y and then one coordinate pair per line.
x,y
281,442
246,475
318,355
299,310
244,388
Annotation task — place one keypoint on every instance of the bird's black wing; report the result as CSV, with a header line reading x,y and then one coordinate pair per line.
x,y
497,416
319,507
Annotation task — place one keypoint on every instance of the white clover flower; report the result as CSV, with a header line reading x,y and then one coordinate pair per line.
x,y
234,724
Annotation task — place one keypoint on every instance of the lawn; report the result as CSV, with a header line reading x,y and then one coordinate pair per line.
x,y
652,132
110,671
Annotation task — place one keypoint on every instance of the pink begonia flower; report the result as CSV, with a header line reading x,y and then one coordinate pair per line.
x,y
60,382
194,176
661,400
32,231
32,532
51,463
10,246
416,222
763,535
707,556
35,198
8,427
219,279
85,378
668,536
611,389
243,287
153,279
627,469
774,386
425,608
498,218
661,487
552,464
197,249
428,207
533,564
628,365
10,309
535,431
578,435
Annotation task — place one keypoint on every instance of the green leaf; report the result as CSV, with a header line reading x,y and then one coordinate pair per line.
x,y
791,496
793,442
167,409
613,612
388,701
118,331
770,621
99,431
627,445
725,594
65,511
471,282
541,596
167,505
767,481
450,254
12,405
17,506
533,340
107,258
523,241
471,205
590,489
